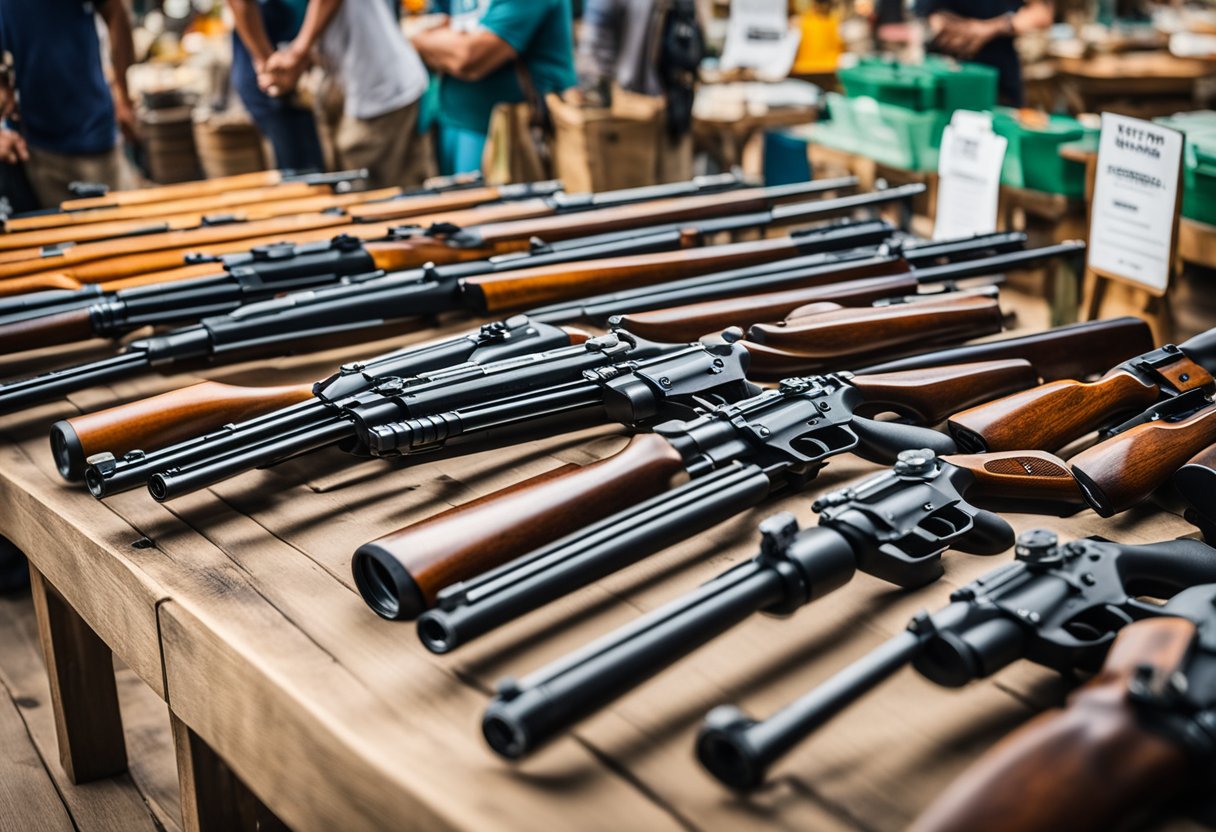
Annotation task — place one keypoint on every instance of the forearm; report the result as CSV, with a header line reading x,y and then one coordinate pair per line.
x,y
122,46
1033,17
247,19
316,20
469,57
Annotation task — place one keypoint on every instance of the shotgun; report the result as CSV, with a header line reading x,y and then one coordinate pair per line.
x,y
509,227
204,187
304,320
207,413
735,456
1055,414
1058,605
895,526
472,608
1133,737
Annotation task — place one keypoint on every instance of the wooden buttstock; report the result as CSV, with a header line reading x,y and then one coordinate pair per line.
x,y
46,331
548,284
834,340
932,394
1019,475
178,190
1125,469
1050,416
133,228
37,283
1090,766
470,539
419,205
690,322
811,310
159,421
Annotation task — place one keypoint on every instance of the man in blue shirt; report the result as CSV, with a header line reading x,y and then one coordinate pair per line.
x,y
69,115
478,50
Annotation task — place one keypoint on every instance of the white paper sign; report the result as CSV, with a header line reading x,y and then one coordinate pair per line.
x,y
969,171
1135,197
758,36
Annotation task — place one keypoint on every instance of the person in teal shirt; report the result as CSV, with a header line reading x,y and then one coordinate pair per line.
x,y
477,50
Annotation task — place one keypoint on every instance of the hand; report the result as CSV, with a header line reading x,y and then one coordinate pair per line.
x,y
12,147
124,114
965,36
281,72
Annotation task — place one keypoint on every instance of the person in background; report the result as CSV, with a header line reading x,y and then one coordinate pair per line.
x,y
382,80
619,41
983,31
70,116
480,49
260,26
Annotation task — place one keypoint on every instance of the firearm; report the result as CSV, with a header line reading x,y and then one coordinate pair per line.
x,y
1134,736
1055,414
529,219
976,257
1196,483
895,526
1059,606
470,609
735,456
174,218
216,415
304,319
204,187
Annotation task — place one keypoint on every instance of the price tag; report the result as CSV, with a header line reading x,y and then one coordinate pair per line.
x,y
1133,230
969,171
759,37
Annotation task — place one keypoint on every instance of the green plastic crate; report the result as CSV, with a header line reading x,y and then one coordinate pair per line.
x,y
963,86
889,134
891,83
1033,159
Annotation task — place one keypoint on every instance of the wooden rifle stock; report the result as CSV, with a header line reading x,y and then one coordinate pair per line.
x,y
413,564
418,205
1090,766
1052,415
1121,471
159,421
850,335
1019,475
46,331
932,394
178,190
688,323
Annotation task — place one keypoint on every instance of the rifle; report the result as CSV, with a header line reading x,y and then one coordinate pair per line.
x,y
735,456
1134,736
1055,414
179,218
465,611
303,319
204,187
549,220
208,414
1196,483
1059,606
979,256
611,378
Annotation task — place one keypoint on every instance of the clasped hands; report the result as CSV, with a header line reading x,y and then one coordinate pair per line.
x,y
279,74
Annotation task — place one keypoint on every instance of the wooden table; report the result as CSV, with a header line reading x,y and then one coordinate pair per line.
x,y
1141,84
292,703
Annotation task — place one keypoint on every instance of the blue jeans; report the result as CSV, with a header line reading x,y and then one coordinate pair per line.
x,y
459,149
291,131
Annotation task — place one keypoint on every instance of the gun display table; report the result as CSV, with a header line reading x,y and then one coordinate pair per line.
x,y
290,700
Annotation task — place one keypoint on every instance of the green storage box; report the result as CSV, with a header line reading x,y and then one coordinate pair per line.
x,y
889,134
963,86
891,83
1033,159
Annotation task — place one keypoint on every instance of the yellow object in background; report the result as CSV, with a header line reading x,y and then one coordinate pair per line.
x,y
821,45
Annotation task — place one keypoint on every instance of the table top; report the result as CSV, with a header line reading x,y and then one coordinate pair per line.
x,y
238,607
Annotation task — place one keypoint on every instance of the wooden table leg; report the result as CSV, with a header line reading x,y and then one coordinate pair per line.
x,y
213,797
84,693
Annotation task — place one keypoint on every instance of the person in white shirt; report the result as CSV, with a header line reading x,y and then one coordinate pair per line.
x,y
381,77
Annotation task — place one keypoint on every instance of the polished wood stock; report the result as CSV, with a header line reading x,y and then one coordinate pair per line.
x,y
415,206
159,421
178,190
932,394
46,331
1125,469
465,541
690,322
523,288
1019,475
1052,415
834,340
1086,768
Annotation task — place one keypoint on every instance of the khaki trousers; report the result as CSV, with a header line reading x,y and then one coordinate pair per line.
x,y
50,173
388,146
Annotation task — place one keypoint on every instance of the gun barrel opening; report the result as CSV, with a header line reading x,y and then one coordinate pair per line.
x,y
723,755
435,634
504,736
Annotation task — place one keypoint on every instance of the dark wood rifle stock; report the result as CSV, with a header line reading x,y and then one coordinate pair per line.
x,y
932,394
460,543
158,421
1121,471
687,323
1019,475
852,335
1090,766
449,201
46,331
